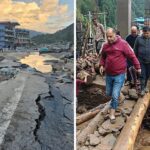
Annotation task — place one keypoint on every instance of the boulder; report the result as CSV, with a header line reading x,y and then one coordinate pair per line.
x,y
103,132
133,94
107,143
125,90
109,127
127,107
94,140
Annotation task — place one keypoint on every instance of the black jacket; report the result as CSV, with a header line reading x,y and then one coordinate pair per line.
x,y
142,49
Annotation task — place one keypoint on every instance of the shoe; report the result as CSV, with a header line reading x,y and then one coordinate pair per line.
x,y
112,119
142,93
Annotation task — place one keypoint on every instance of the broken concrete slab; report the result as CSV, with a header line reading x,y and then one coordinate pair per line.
x,y
9,63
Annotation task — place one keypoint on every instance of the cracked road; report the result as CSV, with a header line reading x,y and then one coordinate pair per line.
x,y
36,111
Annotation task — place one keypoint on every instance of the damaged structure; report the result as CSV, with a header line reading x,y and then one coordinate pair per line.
x,y
11,37
22,38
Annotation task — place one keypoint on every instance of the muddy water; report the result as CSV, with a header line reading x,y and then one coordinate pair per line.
x,y
34,60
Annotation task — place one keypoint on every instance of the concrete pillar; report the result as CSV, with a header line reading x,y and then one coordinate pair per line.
x,y
147,12
124,17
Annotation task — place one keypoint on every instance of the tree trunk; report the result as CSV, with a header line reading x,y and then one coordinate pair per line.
x,y
129,133
99,119
89,115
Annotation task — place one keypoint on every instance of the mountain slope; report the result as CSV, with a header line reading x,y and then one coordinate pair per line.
x,y
108,6
62,35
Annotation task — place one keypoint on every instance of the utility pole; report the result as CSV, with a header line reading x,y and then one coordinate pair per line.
x,y
147,13
90,23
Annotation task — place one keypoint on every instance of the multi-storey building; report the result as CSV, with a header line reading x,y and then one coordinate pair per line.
x,y
7,34
22,38
11,37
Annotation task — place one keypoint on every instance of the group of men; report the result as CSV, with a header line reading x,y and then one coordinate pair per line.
x,y
117,55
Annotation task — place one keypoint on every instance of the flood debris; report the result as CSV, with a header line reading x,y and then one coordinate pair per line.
x,y
104,133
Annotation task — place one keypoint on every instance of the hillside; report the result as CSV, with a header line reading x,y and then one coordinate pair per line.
x,y
62,35
108,6
34,33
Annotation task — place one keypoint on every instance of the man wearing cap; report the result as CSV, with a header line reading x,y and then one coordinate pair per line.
x,y
142,51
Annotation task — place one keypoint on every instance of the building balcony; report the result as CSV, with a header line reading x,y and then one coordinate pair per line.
x,y
9,35
9,30
23,38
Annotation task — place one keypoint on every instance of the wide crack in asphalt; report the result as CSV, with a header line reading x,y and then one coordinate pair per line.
x,y
41,117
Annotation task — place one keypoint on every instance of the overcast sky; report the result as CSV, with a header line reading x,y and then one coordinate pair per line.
x,y
40,15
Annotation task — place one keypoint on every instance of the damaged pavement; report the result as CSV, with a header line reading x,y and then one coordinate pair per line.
x,y
36,108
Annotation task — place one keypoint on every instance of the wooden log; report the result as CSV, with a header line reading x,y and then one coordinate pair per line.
x,y
99,119
129,133
89,115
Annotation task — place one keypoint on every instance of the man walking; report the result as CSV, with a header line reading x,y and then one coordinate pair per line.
x,y
131,41
113,61
142,51
99,35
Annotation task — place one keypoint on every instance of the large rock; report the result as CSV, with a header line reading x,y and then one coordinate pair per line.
x,y
102,131
107,143
127,107
125,90
114,127
83,148
133,94
94,140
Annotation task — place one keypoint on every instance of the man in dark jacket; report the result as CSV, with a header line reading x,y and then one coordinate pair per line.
x,y
113,61
131,41
142,51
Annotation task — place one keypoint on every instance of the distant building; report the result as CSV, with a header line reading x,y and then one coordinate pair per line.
x,y
7,34
22,38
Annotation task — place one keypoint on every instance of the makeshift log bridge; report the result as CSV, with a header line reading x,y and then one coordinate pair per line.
x,y
95,132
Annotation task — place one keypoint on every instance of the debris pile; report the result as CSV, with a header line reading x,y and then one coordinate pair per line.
x,y
99,133
89,65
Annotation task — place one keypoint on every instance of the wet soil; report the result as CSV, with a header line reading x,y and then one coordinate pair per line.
x,y
91,96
